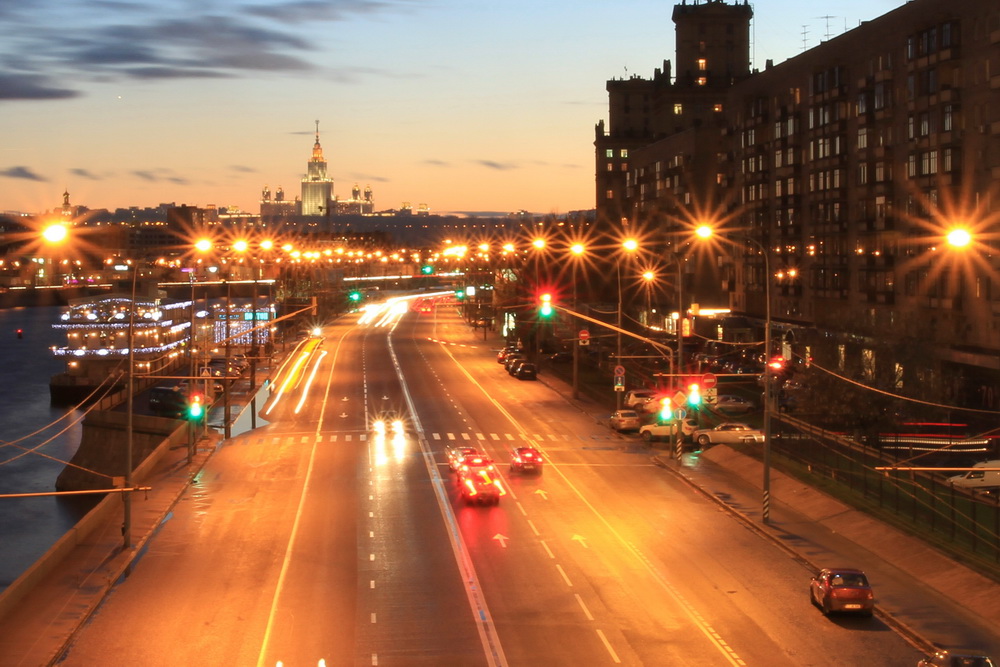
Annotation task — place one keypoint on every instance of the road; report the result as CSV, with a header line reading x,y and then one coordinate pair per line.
x,y
315,539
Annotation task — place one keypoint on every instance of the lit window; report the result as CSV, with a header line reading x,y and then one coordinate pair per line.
x,y
624,152
702,81
611,167
609,152
717,108
678,109
610,194
702,64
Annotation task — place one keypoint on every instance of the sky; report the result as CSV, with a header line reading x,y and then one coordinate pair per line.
x,y
459,105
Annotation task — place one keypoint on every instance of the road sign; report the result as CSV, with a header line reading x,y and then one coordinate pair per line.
x,y
619,371
619,383
680,398
711,396
708,380
584,337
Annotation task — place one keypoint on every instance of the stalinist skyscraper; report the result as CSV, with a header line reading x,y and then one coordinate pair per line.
x,y
317,188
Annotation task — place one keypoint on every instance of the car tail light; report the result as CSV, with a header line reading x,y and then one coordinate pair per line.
x,y
471,487
528,455
499,487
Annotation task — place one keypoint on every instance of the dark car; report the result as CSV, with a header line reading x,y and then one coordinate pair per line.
x,y
512,359
526,459
957,658
842,589
526,371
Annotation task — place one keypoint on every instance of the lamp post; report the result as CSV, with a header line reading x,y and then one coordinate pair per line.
x,y
577,249
129,430
706,232
629,245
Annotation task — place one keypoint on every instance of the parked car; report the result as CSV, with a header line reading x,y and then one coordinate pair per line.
x,y
512,358
526,459
650,432
842,589
957,658
637,397
624,420
734,404
526,371
504,353
729,433
513,368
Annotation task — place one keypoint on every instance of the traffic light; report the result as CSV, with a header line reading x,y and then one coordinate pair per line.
x,y
354,296
694,395
460,294
196,407
666,409
427,270
545,305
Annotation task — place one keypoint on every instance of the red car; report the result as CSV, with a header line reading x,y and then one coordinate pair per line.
x,y
842,589
480,485
526,459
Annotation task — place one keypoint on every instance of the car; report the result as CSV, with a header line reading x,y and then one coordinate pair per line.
x,y
842,589
733,403
650,406
483,488
957,658
561,357
624,420
512,358
512,368
457,456
650,432
504,353
526,459
728,433
637,397
526,371
472,465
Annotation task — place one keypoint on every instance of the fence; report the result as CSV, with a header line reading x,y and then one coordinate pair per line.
x,y
965,522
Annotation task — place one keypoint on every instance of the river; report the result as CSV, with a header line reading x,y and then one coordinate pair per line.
x,y
49,434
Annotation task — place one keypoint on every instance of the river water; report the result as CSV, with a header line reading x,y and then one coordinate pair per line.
x,y
35,439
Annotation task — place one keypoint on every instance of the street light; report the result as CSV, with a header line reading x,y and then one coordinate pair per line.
x,y
629,245
577,249
705,232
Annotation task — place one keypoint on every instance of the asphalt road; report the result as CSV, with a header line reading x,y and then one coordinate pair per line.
x,y
312,538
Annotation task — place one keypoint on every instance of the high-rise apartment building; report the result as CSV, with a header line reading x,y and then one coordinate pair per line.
x,y
848,165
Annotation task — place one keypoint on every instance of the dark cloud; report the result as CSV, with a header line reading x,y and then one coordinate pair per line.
x,y
84,173
242,169
159,176
437,163
31,87
499,166
307,11
23,173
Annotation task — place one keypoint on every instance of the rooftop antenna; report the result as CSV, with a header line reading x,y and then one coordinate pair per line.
x,y
805,31
827,34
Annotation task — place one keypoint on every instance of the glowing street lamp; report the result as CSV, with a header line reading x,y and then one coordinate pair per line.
x,y
705,232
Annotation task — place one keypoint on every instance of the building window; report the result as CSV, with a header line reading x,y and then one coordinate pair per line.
x,y
862,174
678,109
610,167
702,65
609,194
911,125
701,81
947,116
777,157
623,152
717,108
880,172
862,104
880,96
911,165
946,160
929,163
609,152
863,138
925,124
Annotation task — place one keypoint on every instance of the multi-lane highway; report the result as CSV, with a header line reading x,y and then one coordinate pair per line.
x,y
317,539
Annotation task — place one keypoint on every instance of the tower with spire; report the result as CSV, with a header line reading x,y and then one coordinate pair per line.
x,y
317,187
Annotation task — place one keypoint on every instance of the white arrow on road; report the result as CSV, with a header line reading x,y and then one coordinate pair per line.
x,y
502,539
581,539
543,494
343,415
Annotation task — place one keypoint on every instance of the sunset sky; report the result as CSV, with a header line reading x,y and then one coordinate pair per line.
x,y
462,105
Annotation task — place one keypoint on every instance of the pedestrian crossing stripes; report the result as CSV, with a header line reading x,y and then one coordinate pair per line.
x,y
300,438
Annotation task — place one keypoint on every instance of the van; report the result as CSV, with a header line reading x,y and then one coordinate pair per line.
x,y
977,478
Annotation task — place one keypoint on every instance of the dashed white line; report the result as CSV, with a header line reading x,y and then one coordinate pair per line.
x,y
607,645
583,606
533,529
547,550
563,573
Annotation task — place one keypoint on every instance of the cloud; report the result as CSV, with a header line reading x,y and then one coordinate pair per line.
x,y
159,176
436,163
31,87
499,166
368,178
84,173
242,169
23,173
309,11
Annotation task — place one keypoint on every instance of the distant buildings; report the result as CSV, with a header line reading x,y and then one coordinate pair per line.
x,y
848,164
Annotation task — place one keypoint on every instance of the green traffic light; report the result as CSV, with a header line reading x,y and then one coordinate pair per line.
x,y
195,408
427,269
545,307
354,296
694,396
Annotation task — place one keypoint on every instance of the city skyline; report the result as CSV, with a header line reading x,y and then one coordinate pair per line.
x,y
463,108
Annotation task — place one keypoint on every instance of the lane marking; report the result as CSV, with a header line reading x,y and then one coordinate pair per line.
x,y
607,645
